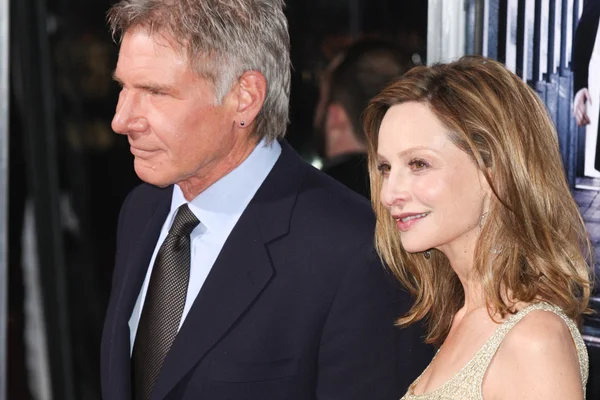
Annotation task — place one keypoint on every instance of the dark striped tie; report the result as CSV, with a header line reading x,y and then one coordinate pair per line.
x,y
164,304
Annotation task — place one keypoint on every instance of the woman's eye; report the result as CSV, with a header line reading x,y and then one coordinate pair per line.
x,y
384,168
418,164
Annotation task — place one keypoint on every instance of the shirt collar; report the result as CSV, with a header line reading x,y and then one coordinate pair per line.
x,y
226,199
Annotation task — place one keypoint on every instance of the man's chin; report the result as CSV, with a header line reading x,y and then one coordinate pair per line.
x,y
152,176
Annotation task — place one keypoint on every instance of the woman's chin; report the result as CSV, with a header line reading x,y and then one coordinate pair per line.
x,y
414,248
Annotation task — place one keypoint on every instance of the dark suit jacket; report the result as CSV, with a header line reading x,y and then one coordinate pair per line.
x,y
297,305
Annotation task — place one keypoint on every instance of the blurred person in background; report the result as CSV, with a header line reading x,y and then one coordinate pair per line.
x,y
350,81
475,216
241,271
586,58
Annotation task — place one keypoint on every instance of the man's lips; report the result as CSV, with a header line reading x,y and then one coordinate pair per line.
x,y
136,151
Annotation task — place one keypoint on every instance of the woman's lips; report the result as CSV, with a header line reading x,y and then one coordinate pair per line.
x,y
405,222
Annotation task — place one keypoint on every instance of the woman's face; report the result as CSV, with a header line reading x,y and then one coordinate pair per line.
x,y
433,189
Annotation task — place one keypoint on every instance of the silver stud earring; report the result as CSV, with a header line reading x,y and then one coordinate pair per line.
x,y
242,123
427,254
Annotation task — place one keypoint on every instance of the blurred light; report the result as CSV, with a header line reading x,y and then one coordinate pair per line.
x,y
416,59
317,162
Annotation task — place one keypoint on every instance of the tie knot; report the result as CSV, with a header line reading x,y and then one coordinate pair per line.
x,y
184,223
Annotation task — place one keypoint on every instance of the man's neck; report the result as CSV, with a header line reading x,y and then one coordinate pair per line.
x,y
197,183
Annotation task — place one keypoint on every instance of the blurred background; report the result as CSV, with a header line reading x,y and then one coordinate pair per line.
x,y
64,173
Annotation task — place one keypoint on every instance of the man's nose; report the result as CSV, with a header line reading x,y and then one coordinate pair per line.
x,y
129,115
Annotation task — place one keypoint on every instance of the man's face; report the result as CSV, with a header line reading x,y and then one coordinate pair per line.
x,y
176,131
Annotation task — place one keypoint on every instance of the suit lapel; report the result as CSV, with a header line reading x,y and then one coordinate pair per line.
x,y
241,272
136,266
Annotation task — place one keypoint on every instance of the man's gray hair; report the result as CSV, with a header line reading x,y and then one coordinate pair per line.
x,y
223,39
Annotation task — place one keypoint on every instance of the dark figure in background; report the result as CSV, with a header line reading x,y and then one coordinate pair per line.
x,y
17,377
241,271
584,45
352,79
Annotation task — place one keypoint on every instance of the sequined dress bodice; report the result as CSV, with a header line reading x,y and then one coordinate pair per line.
x,y
467,383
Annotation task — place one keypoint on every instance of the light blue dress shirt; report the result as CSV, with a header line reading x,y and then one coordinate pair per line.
x,y
218,209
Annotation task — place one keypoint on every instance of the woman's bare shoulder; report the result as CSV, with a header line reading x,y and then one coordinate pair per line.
x,y
537,360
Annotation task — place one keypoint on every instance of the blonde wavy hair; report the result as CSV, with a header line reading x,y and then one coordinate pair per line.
x,y
533,243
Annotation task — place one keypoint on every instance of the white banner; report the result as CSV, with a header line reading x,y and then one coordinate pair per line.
x,y
445,30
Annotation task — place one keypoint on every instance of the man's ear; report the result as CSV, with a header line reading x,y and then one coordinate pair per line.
x,y
250,94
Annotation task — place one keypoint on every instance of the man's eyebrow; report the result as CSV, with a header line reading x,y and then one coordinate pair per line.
x,y
153,87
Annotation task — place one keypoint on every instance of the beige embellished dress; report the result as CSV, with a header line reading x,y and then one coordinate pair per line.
x,y
467,383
